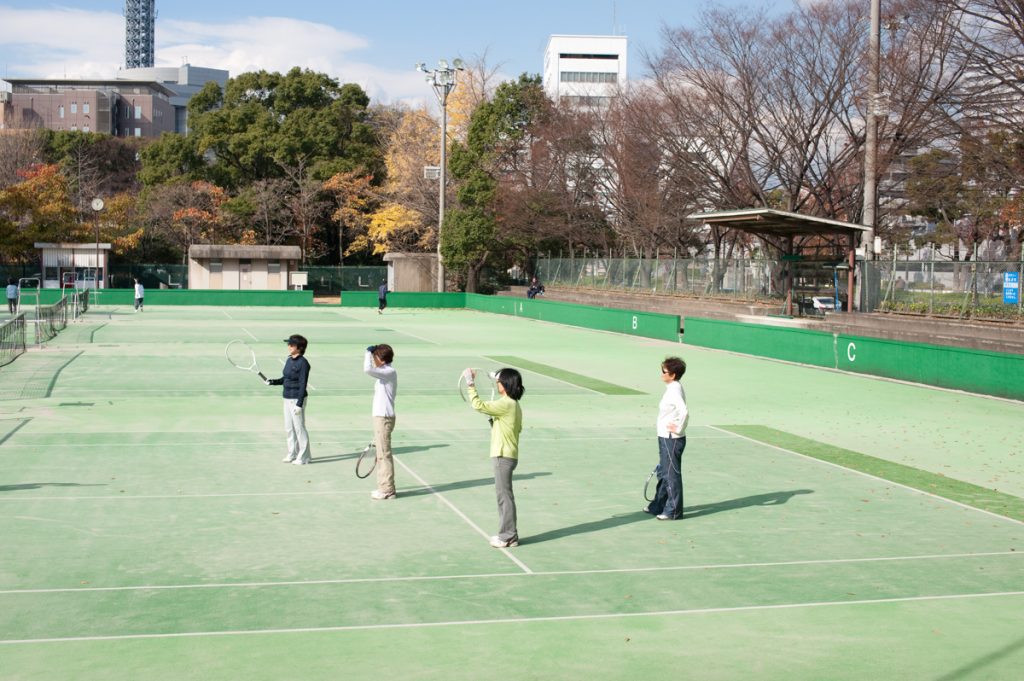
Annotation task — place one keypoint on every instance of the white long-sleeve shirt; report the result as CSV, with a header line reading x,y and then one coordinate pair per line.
x,y
139,291
385,387
672,409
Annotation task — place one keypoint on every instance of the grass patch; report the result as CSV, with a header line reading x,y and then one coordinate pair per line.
x,y
580,380
955,490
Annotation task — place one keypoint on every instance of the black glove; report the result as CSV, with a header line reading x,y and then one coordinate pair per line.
x,y
371,349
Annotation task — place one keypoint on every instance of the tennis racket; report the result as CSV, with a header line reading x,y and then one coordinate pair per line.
x,y
367,458
483,379
647,483
242,357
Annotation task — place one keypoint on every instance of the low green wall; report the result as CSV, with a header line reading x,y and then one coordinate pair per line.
x,y
979,371
154,297
646,324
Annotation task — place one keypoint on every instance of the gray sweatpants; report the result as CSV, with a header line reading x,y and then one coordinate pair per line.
x,y
503,468
295,428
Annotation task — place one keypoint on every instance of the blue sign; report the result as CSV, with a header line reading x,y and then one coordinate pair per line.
x,y
1011,288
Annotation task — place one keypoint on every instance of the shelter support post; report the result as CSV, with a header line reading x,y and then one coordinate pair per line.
x,y
789,276
852,261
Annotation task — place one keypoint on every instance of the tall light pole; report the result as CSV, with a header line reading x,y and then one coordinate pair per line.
x,y
871,132
443,80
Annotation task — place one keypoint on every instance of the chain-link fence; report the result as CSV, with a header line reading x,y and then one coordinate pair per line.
x,y
972,289
151,275
746,279
962,289
332,280
322,280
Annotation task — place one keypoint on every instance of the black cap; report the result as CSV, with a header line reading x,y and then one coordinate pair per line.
x,y
297,340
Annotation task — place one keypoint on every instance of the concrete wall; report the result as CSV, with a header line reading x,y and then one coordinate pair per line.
x,y
411,272
234,276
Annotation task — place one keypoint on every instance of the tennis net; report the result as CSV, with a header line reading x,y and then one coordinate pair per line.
x,y
51,320
12,339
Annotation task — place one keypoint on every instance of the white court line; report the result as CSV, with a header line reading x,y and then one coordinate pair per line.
x,y
524,620
412,335
230,443
227,315
250,334
177,496
872,477
462,515
404,428
551,573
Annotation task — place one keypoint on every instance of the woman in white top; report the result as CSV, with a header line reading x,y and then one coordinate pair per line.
x,y
672,419
140,294
377,364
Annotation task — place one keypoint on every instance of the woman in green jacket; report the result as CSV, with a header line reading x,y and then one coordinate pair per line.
x,y
506,424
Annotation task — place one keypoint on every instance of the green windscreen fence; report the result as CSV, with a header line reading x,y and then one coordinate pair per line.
x,y
979,371
646,324
120,296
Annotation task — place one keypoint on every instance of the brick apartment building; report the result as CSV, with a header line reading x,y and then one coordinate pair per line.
x,y
143,102
115,107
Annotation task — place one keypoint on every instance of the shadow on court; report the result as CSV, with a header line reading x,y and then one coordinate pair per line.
x,y
40,485
463,484
355,455
970,670
583,528
769,499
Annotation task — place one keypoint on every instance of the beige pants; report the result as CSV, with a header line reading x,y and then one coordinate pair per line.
x,y
382,427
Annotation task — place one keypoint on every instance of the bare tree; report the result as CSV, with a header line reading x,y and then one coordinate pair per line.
x,y
19,149
307,207
990,42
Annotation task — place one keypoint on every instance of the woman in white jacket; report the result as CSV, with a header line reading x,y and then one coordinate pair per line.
x,y
672,419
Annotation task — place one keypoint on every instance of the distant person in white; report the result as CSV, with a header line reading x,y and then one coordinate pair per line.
x,y
12,296
377,364
140,293
673,417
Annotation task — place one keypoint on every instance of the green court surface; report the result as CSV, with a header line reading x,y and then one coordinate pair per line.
x,y
837,526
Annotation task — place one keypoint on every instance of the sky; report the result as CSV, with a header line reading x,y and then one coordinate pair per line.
x,y
375,44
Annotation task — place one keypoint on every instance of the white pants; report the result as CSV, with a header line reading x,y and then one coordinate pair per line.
x,y
295,427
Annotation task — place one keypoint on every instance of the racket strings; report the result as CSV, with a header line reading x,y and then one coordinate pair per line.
x,y
241,356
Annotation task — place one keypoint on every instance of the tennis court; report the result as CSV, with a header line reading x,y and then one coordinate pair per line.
x,y
150,530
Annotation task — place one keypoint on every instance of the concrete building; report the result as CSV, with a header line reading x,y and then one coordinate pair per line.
x,y
137,103
244,268
183,81
413,272
585,70
122,108
63,262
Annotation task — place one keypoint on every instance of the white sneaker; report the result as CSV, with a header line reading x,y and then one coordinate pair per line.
x,y
299,462
381,496
287,459
499,543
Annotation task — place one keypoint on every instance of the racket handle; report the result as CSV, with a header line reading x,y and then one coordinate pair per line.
x,y
260,374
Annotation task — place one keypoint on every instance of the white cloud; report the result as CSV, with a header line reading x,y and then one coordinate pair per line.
x,y
60,42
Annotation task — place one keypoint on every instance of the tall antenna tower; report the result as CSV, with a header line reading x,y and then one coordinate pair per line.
x,y
139,20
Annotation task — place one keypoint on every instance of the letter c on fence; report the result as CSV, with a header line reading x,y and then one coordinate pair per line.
x,y
634,322
851,352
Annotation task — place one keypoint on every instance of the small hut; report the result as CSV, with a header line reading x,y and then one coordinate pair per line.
x,y
244,268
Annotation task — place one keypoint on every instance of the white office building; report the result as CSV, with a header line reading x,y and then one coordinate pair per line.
x,y
585,70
